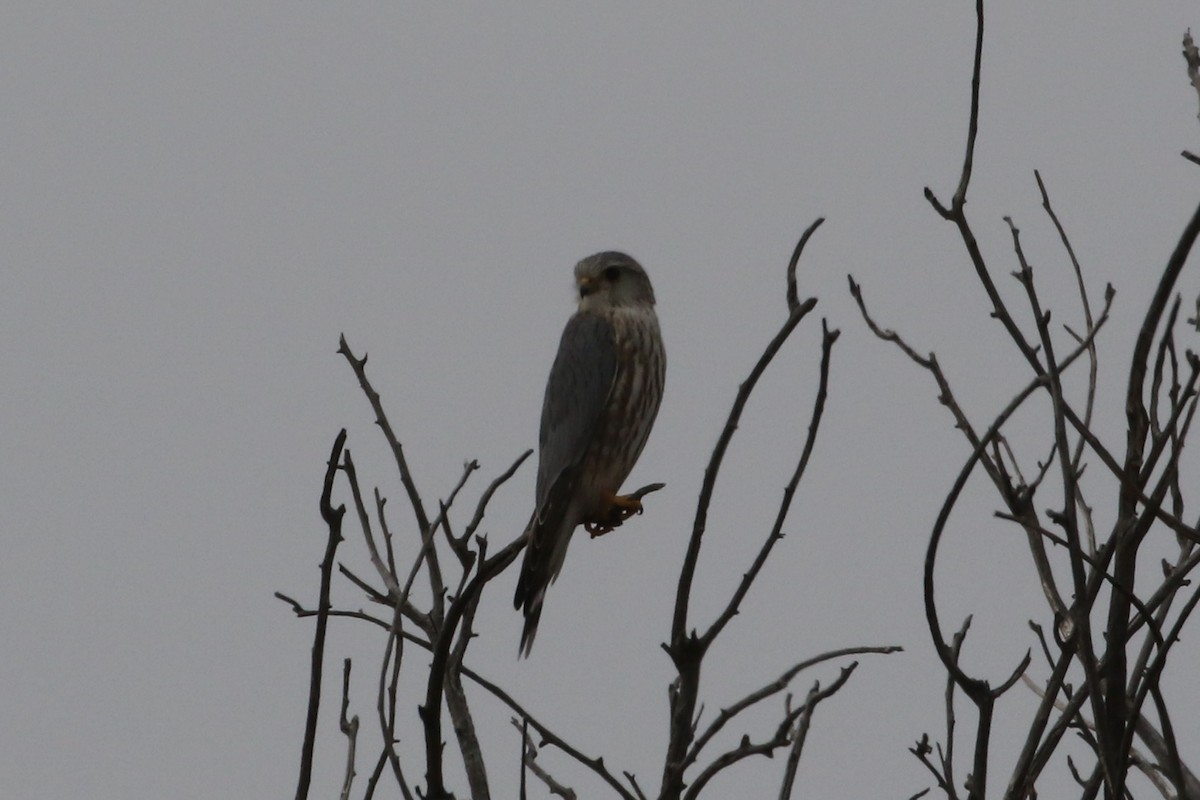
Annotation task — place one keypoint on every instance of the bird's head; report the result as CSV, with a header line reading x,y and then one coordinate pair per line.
x,y
612,280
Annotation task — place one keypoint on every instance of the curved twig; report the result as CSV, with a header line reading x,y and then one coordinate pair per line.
x,y
973,686
774,687
685,649
406,478
333,519
781,737
796,311
789,491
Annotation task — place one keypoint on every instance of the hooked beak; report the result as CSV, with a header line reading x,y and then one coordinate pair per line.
x,y
586,286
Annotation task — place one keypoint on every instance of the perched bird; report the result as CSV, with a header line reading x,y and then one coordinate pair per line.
x,y
601,400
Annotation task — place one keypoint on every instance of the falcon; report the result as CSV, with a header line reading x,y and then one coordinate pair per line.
x,y
601,400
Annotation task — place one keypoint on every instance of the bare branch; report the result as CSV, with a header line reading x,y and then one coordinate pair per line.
x,y
529,760
687,649
1191,54
796,312
1116,701
302,612
793,296
350,728
789,492
799,736
1167,755
921,750
767,747
333,519
969,685
960,195
596,765
460,713
406,478
381,566
774,687
485,498
386,695
1089,322
972,686
1067,519
457,544
431,710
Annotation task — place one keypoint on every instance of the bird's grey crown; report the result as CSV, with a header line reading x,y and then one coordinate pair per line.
x,y
634,285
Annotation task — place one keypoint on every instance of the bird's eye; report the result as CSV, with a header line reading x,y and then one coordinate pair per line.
x,y
611,274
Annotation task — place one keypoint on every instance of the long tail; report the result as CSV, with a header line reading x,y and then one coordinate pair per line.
x,y
533,613
536,574
549,533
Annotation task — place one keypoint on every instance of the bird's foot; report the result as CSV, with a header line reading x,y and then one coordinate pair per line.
x,y
620,508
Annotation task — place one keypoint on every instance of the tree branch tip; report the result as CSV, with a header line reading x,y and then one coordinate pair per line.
x,y
798,309
1016,675
793,298
296,607
937,204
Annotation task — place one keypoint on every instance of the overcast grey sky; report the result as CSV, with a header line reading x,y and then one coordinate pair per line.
x,y
198,198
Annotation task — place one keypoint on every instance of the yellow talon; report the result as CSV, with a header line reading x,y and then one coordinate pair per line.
x,y
620,508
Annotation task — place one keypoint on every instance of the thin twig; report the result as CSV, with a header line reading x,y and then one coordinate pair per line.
x,y
1088,321
796,311
789,491
747,748
481,506
406,478
529,761
1067,519
799,736
348,726
1018,499
333,520
1116,700
1191,55
549,737
381,566
431,709
685,649
774,687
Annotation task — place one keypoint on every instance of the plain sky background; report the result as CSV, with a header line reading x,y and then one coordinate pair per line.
x,y
198,198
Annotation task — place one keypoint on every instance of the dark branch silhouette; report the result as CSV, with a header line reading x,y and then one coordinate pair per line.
x,y
1101,520
1112,638
458,568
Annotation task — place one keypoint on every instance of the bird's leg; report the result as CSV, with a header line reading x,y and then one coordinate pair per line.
x,y
618,509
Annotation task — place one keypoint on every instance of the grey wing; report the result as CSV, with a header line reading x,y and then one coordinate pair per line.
x,y
579,385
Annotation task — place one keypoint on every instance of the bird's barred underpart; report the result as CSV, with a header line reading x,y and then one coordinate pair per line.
x,y
632,405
